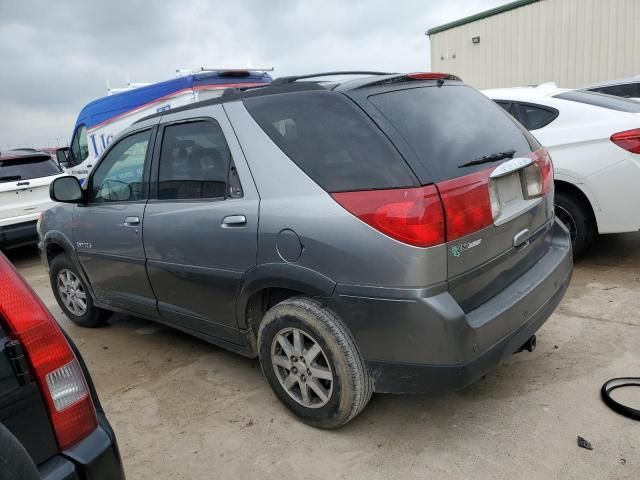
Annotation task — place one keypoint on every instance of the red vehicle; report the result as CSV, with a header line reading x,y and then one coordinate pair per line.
x,y
52,425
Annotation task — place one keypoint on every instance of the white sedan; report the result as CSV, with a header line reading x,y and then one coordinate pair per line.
x,y
594,142
25,176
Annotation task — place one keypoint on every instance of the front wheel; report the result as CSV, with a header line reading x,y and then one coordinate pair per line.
x,y
312,363
72,294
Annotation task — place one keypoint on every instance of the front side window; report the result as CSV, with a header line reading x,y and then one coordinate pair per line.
x,y
118,177
79,146
194,162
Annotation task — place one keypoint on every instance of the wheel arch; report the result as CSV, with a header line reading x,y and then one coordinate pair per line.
x,y
268,284
577,192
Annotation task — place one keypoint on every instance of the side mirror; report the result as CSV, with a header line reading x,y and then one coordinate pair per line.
x,y
66,190
61,156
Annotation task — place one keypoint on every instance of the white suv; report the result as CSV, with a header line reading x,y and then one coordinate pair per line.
x,y
25,176
594,140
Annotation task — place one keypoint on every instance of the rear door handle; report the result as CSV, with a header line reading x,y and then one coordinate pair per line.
x,y
234,221
132,221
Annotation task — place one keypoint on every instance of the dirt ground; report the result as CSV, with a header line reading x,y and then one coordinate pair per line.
x,y
183,409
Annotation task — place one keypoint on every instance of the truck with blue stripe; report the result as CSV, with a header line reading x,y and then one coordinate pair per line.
x,y
102,119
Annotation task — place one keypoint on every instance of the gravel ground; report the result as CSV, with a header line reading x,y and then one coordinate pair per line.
x,y
183,409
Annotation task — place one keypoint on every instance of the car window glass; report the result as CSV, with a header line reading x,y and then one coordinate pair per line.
x,y
331,140
27,168
624,90
534,117
508,107
118,177
80,147
194,162
451,125
601,100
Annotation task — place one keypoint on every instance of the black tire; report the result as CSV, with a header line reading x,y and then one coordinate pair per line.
x,y
352,385
578,218
15,462
92,316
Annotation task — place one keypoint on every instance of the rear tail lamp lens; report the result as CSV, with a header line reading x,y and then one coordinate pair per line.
x,y
532,181
629,140
467,204
66,385
544,163
51,359
409,215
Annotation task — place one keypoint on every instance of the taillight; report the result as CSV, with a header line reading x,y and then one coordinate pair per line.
x,y
467,205
56,368
629,140
410,215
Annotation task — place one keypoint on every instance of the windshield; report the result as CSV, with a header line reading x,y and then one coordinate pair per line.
x,y
601,100
452,126
27,168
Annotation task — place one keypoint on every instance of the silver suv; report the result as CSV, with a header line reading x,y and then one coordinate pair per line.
x,y
392,233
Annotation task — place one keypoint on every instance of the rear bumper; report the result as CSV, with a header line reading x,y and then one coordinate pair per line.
x,y
18,234
425,342
94,458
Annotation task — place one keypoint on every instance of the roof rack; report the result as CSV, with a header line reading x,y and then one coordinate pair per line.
x,y
291,79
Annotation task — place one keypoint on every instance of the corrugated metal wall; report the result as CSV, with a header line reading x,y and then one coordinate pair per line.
x,y
570,42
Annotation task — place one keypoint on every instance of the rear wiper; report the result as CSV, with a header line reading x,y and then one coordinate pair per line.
x,y
489,158
10,178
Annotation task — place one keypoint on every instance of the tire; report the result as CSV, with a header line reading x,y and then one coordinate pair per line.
x,y
15,462
90,316
577,217
341,398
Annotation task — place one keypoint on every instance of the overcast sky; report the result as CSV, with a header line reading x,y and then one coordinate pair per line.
x,y
58,55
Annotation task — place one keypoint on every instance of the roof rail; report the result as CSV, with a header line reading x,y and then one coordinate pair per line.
x,y
291,79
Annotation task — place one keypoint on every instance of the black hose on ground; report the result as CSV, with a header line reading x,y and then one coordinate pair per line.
x,y
614,405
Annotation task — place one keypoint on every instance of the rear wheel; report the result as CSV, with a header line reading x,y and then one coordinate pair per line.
x,y
72,294
576,216
312,363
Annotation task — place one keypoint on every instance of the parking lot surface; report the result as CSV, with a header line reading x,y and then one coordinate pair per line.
x,y
184,409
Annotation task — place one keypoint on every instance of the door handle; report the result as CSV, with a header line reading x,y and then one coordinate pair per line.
x,y
132,221
234,221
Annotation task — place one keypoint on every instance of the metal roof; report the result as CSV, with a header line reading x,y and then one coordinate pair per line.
x,y
481,15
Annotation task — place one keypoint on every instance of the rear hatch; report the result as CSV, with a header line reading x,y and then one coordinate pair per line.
x,y
24,183
494,179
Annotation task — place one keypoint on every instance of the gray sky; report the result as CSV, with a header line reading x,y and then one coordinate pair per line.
x,y
57,55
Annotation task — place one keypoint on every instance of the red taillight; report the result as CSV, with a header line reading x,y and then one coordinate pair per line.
x,y
410,215
467,205
629,140
51,359
427,75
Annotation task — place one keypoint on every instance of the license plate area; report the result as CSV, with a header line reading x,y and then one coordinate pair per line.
x,y
507,197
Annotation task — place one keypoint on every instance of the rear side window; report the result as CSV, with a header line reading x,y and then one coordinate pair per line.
x,y
194,162
451,125
601,100
331,140
27,168
535,116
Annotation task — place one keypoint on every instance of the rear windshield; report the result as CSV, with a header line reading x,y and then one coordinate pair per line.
x,y
27,168
331,140
451,125
601,100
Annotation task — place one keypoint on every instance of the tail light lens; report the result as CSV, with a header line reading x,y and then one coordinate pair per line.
x,y
410,215
467,204
52,361
629,140
537,178
446,211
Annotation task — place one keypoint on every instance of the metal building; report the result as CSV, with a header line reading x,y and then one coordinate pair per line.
x,y
571,42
